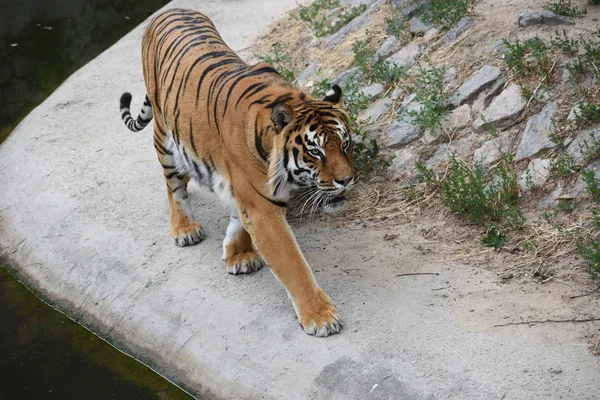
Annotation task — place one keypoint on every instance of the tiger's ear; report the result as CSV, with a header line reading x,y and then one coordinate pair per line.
x,y
281,116
334,96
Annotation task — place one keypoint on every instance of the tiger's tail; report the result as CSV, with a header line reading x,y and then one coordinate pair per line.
x,y
135,125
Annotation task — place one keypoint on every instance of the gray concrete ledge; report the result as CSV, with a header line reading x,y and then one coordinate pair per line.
x,y
84,219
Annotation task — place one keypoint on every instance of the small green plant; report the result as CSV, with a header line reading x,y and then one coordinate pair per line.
x,y
586,115
564,167
344,18
565,206
432,96
528,57
366,155
564,43
375,68
315,16
565,8
397,24
589,247
280,58
576,70
494,238
444,14
592,184
482,197
590,149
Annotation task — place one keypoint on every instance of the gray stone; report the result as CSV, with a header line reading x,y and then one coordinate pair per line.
x,y
494,91
308,73
355,25
537,133
396,93
578,189
459,118
587,80
459,148
388,46
477,83
345,76
575,111
503,111
418,27
529,18
580,145
408,8
403,163
373,91
377,109
535,175
551,200
402,132
407,56
461,27
451,78
493,150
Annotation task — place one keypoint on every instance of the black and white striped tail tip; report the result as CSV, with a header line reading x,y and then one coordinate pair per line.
x,y
142,120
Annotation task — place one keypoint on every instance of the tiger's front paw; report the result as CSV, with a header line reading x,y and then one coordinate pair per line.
x,y
187,235
244,263
320,318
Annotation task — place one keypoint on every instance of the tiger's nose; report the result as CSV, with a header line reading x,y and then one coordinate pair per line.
x,y
345,181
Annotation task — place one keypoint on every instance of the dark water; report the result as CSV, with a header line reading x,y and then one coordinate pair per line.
x,y
43,41
46,356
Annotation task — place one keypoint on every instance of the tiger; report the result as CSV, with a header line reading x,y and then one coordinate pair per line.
x,y
250,137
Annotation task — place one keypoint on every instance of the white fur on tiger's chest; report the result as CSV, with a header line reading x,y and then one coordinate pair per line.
x,y
203,173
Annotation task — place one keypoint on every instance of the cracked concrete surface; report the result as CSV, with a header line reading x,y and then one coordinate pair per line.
x,y
84,220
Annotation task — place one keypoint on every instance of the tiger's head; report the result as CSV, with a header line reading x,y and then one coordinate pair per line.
x,y
315,150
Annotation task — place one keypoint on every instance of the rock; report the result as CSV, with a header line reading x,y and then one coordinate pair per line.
x,y
493,150
477,83
417,27
377,109
578,190
373,91
494,91
356,24
535,175
460,148
551,200
451,78
407,56
503,111
507,275
575,111
408,8
345,76
388,46
308,73
403,163
458,29
537,133
402,132
459,118
396,93
580,145
587,80
529,18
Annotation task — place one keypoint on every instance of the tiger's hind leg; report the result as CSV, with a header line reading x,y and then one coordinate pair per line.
x,y
238,252
184,228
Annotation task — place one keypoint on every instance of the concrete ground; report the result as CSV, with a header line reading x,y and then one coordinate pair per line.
x,y
84,220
